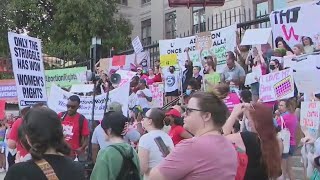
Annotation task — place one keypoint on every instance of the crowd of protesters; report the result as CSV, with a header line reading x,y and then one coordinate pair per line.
x,y
197,137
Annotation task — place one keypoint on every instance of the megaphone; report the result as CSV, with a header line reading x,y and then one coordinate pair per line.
x,y
115,78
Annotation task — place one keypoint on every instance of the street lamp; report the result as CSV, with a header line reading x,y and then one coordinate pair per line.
x,y
96,40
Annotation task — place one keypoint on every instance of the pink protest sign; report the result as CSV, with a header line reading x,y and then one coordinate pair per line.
x,y
157,95
231,100
276,86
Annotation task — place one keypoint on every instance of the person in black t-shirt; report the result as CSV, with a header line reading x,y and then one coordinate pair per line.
x,y
44,134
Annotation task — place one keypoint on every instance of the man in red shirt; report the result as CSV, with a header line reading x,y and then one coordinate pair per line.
x,y
177,132
77,138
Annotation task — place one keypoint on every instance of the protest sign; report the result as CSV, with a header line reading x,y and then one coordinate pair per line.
x,y
232,100
310,117
307,81
168,60
256,36
8,91
127,62
290,23
203,40
65,77
137,46
223,40
157,95
28,68
276,86
58,101
126,76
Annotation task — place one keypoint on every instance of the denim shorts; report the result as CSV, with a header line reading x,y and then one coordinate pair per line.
x,y
292,149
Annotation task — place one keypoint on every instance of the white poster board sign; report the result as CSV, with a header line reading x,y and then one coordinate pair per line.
x,y
137,46
256,36
28,68
82,88
310,117
276,86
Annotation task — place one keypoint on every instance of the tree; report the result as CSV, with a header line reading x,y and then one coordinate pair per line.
x,y
67,26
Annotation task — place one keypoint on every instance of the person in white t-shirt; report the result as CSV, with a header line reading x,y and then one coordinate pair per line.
x,y
172,82
148,150
144,96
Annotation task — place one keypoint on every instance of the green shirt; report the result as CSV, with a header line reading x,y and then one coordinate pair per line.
x,y
213,79
109,162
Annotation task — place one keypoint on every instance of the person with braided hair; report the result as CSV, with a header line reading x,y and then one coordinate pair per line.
x,y
44,135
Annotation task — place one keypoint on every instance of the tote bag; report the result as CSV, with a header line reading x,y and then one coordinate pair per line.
x,y
284,134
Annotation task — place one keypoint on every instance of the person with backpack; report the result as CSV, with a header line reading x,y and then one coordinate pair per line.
x,y
75,127
118,161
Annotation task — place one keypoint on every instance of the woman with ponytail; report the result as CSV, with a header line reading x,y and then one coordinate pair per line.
x,y
44,136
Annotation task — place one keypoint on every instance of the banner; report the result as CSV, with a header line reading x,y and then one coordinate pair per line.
x,y
127,62
58,101
157,95
294,22
223,40
65,77
28,68
310,117
276,86
8,91
232,100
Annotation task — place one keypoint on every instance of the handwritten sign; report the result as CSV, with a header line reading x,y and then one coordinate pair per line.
x,y
310,116
157,95
168,60
137,46
275,86
203,40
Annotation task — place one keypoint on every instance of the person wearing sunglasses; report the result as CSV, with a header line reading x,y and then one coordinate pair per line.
x,y
75,127
208,155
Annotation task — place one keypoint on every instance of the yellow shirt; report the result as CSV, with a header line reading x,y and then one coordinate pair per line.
x,y
213,79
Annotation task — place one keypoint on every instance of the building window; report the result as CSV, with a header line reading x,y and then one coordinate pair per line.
x,y
146,32
145,1
262,7
199,20
123,2
171,25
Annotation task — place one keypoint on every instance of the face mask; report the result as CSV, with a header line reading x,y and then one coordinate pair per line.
x,y
272,67
188,92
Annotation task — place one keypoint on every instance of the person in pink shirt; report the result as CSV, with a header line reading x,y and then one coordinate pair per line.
x,y
208,155
286,113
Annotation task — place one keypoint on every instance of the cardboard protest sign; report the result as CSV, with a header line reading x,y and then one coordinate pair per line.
x,y
65,77
137,46
232,100
310,117
168,60
157,95
58,101
276,86
203,40
290,23
28,68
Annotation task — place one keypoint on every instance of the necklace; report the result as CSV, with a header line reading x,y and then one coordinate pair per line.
x,y
210,132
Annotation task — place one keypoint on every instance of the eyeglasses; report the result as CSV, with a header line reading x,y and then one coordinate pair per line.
x,y
71,106
145,116
190,110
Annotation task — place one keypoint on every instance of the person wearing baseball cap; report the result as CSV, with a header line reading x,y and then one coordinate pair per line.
x,y
99,138
177,132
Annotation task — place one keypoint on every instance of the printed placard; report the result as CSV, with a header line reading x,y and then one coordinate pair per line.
x,y
28,68
168,60
310,117
276,86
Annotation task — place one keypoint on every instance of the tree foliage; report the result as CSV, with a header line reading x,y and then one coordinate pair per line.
x,y
67,26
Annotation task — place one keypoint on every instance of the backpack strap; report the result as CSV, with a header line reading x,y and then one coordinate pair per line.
x,y
125,161
81,120
47,169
